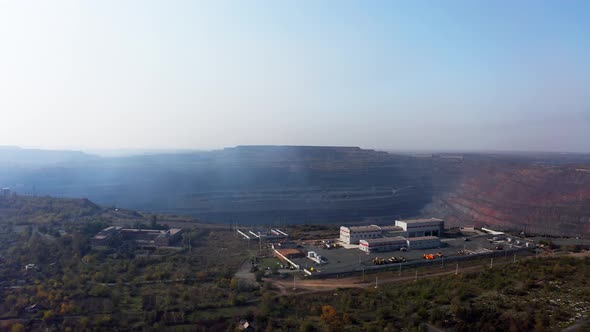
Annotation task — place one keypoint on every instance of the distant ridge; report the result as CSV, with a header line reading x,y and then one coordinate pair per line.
x,y
22,156
295,147
269,184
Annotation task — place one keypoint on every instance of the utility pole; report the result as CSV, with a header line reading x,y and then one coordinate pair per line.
x,y
491,262
457,269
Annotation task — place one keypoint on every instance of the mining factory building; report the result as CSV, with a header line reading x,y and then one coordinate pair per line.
x,y
422,227
353,234
423,242
145,237
383,244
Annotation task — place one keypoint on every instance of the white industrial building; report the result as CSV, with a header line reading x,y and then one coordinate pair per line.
x,y
422,227
411,234
392,231
423,242
353,234
383,244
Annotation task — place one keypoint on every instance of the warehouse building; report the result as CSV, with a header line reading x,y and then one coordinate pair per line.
x,y
383,244
144,237
106,237
410,234
393,231
422,227
289,253
353,234
152,237
423,242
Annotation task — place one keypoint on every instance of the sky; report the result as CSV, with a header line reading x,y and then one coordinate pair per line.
x,y
392,75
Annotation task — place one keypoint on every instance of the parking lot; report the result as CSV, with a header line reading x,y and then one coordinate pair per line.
x,y
343,260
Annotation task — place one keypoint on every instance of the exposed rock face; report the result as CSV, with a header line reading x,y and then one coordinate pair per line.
x,y
539,199
542,193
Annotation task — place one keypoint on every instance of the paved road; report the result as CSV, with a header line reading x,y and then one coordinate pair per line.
x,y
318,285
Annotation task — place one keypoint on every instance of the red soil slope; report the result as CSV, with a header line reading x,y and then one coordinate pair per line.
x,y
538,199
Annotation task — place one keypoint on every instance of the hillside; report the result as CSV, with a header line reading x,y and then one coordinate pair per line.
x,y
70,213
538,199
544,193
246,184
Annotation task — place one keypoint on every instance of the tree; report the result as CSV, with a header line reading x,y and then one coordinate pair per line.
x,y
234,284
18,327
540,322
306,326
330,317
259,274
153,221
47,315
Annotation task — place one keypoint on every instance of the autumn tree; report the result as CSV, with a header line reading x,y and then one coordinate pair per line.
x,y
330,318
18,327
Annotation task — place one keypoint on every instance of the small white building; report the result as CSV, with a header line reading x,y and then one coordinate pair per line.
x,y
353,234
423,242
383,244
422,227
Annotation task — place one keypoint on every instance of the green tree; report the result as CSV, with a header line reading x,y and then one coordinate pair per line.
x,y
153,221
17,327
234,284
47,315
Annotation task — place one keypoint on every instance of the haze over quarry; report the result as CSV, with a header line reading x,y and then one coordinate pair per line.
x,y
390,75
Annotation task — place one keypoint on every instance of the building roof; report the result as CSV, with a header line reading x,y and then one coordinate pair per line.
x,y
392,229
170,231
363,228
418,221
384,240
286,252
107,232
423,238
173,231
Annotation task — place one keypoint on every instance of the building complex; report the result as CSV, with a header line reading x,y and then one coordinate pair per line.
x,y
409,234
143,237
383,244
422,227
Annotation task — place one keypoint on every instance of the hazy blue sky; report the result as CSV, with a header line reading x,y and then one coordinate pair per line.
x,y
504,75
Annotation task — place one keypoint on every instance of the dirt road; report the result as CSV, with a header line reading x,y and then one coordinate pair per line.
x,y
318,285
244,274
